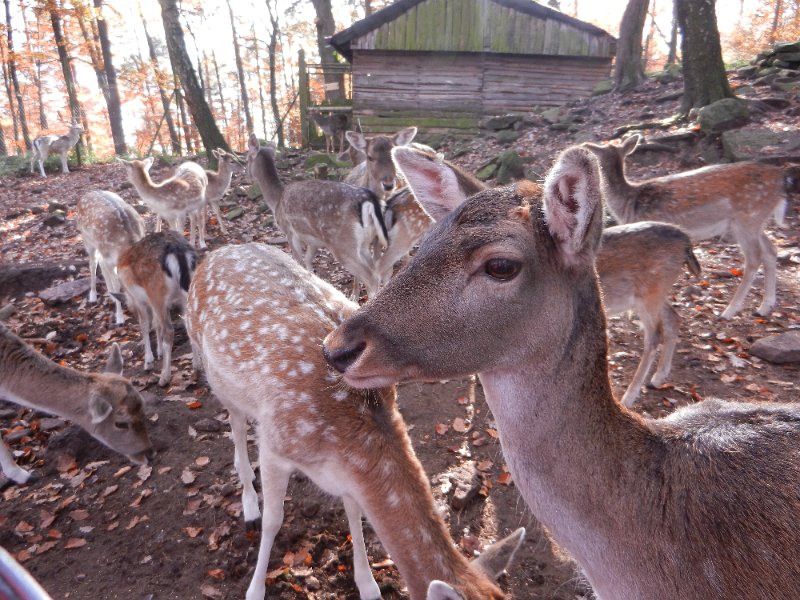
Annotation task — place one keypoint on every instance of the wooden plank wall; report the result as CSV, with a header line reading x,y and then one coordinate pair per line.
x,y
482,26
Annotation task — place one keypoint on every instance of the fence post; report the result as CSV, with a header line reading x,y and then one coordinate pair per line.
x,y
304,94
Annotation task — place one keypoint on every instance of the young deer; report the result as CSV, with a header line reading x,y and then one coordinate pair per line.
x,y
637,264
256,320
701,504
377,172
218,183
314,214
104,404
735,199
108,226
333,127
155,273
55,144
172,199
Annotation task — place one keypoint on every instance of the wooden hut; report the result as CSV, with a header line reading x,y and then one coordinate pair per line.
x,y
447,63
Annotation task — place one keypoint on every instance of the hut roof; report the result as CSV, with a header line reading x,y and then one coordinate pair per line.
x,y
342,40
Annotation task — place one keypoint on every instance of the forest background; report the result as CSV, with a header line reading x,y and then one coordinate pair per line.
x,y
245,54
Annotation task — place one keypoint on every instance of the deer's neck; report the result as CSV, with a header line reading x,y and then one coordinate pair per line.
x,y
144,184
73,137
218,181
573,451
29,379
397,500
270,183
619,191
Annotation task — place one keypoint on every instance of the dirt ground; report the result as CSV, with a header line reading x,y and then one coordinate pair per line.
x,y
95,526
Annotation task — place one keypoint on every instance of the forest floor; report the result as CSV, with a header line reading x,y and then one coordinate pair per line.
x,y
95,526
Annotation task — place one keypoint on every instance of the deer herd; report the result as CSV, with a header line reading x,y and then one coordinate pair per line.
x,y
511,283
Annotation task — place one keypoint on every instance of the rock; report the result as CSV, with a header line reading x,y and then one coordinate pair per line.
x,y
36,210
312,583
501,122
486,171
142,209
745,90
554,115
434,140
125,185
208,425
467,484
56,219
604,87
50,423
8,413
262,208
17,212
776,103
722,115
234,214
7,311
671,73
320,159
766,71
53,206
744,144
510,167
16,436
508,136
779,349
747,72
253,192
786,47
64,292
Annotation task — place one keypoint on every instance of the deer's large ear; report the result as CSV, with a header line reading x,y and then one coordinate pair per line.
x,y
433,182
439,590
404,136
496,558
357,140
99,408
148,162
572,205
630,144
114,361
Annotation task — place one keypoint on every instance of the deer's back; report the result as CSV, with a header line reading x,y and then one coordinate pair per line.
x,y
107,222
318,207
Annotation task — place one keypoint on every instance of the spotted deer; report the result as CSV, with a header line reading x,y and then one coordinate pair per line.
x,y
108,226
46,145
105,404
700,504
155,273
218,183
173,199
731,199
256,320
637,264
343,218
377,172
332,126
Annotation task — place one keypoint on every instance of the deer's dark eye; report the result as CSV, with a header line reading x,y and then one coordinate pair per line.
x,y
370,158
502,269
122,425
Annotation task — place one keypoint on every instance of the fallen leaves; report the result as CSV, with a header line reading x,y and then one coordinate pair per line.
x,y
73,543
193,532
187,477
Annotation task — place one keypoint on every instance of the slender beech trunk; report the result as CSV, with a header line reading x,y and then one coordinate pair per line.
x,y
10,95
672,55
222,107
66,69
240,72
174,138
273,80
114,103
261,103
12,71
34,51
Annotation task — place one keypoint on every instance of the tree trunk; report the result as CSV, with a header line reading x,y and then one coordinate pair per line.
x,y
114,104
326,27
261,102
10,95
240,71
222,107
776,19
273,80
174,138
672,55
182,118
201,114
35,51
12,71
3,148
628,68
367,8
704,78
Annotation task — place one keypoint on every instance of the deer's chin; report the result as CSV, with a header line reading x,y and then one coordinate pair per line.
x,y
370,380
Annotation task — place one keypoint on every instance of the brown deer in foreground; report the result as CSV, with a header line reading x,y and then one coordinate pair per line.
x,y
735,199
46,145
637,264
256,320
104,404
377,172
155,273
314,214
173,199
701,504
108,226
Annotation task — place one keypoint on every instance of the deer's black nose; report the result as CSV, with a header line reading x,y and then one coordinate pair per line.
x,y
388,186
341,359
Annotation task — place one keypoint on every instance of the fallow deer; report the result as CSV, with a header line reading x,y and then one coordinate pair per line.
x,y
155,273
105,404
343,218
637,264
256,320
701,504
174,198
332,126
108,226
46,145
735,199
218,183
377,172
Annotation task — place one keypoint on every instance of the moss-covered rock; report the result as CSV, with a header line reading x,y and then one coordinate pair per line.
x,y
510,167
508,136
722,115
486,171
604,87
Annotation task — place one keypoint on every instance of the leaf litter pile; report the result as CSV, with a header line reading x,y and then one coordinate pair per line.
x,y
95,526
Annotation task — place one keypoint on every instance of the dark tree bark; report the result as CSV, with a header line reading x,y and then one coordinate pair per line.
x,y
222,107
12,71
628,68
201,114
261,103
704,78
10,95
3,148
248,117
273,80
672,55
183,119
174,138
113,101
34,50
326,27
776,19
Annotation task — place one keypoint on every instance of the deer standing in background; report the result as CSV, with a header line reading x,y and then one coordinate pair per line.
x,y
735,199
174,198
313,214
46,145
637,264
700,504
256,320
333,126
155,273
105,404
108,226
218,183
377,172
